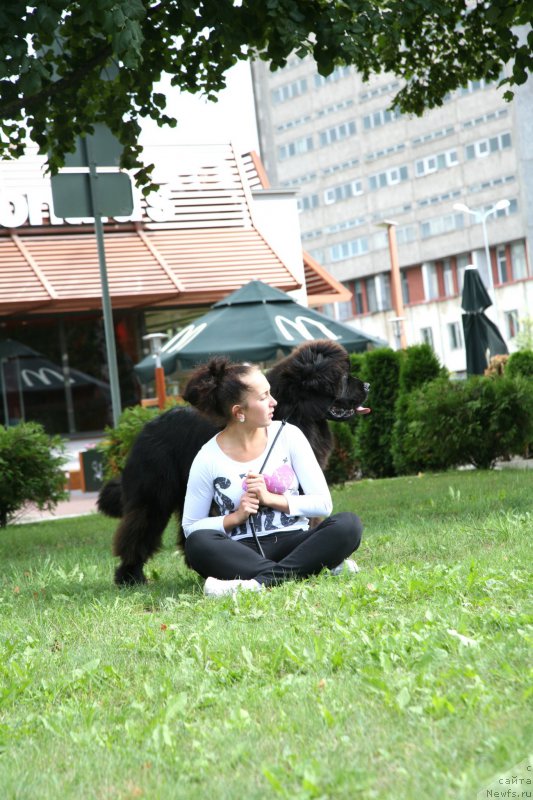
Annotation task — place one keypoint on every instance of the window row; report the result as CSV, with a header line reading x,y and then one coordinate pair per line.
x,y
432,281
483,147
511,328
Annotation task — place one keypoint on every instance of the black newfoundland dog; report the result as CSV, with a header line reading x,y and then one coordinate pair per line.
x,y
312,385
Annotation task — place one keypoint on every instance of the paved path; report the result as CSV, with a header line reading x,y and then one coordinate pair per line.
x,y
78,504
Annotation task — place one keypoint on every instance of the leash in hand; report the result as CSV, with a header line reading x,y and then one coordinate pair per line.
x,y
250,518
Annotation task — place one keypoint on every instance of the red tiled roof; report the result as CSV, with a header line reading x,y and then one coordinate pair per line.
x,y
144,268
205,247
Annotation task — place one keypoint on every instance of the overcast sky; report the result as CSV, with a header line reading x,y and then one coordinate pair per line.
x,y
231,119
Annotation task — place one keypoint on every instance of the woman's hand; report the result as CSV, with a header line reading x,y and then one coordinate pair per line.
x,y
248,505
256,485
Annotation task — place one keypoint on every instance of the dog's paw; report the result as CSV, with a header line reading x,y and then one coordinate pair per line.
x,y
129,575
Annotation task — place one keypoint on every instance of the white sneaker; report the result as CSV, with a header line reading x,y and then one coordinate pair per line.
x,y
348,564
214,587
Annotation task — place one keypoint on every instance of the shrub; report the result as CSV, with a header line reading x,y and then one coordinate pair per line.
x,y
520,363
119,441
30,470
418,366
343,464
477,421
381,368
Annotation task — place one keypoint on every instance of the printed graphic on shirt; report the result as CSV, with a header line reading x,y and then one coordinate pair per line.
x,y
281,479
265,519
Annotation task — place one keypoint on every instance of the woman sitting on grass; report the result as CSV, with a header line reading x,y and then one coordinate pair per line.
x,y
253,471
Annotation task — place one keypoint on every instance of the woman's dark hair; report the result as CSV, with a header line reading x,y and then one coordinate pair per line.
x,y
215,387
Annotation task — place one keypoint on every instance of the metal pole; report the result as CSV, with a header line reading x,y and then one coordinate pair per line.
x,y
4,392
21,391
396,284
106,302
71,420
490,280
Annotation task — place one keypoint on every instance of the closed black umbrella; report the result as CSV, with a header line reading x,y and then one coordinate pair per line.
x,y
483,340
254,323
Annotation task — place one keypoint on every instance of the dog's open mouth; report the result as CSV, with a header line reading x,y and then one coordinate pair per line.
x,y
337,413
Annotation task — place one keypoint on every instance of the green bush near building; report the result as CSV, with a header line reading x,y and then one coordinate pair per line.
x,y
31,469
421,420
520,363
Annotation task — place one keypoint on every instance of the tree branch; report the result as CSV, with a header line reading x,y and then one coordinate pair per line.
x,y
55,87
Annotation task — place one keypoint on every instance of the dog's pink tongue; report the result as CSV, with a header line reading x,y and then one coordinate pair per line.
x,y
363,410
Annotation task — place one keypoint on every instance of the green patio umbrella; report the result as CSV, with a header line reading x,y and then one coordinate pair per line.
x,y
255,323
482,337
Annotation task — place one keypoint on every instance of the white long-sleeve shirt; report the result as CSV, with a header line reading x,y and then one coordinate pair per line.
x,y
291,464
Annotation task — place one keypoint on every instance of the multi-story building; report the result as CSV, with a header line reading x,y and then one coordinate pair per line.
x,y
357,166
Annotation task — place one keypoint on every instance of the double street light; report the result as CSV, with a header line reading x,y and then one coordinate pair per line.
x,y
481,215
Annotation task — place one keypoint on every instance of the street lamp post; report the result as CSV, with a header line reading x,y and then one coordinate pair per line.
x,y
481,216
155,341
396,285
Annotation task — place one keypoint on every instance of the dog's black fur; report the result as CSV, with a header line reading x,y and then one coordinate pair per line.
x,y
312,385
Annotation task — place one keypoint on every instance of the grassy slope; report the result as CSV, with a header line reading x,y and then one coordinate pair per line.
x,y
408,680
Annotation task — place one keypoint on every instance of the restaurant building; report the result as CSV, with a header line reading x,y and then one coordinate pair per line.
x,y
212,226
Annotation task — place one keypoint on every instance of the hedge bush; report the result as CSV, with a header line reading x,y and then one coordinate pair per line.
x,y
418,366
477,421
520,363
343,463
381,369
31,470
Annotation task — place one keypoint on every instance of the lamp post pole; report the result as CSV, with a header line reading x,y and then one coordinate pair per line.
x,y
481,216
155,341
396,284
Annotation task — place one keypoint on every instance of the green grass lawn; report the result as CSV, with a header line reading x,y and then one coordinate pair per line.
x,y
409,680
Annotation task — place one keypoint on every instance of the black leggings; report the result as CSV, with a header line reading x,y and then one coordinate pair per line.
x,y
290,554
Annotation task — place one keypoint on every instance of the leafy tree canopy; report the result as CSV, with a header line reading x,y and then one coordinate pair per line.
x,y
67,64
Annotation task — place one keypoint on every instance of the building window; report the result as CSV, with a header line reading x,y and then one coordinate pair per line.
x,y
426,335
343,250
307,202
447,274
388,178
511,323
358,297
295,148
425,166
430,279
484,147
462,262
337,133
383,282
454,332
438,225
336,75
429,137
288,91
405,286
501,264
343,192
518,260
371,295
378,292
345,310
379,118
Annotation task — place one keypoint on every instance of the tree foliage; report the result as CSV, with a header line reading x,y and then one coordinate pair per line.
x,y
67,64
